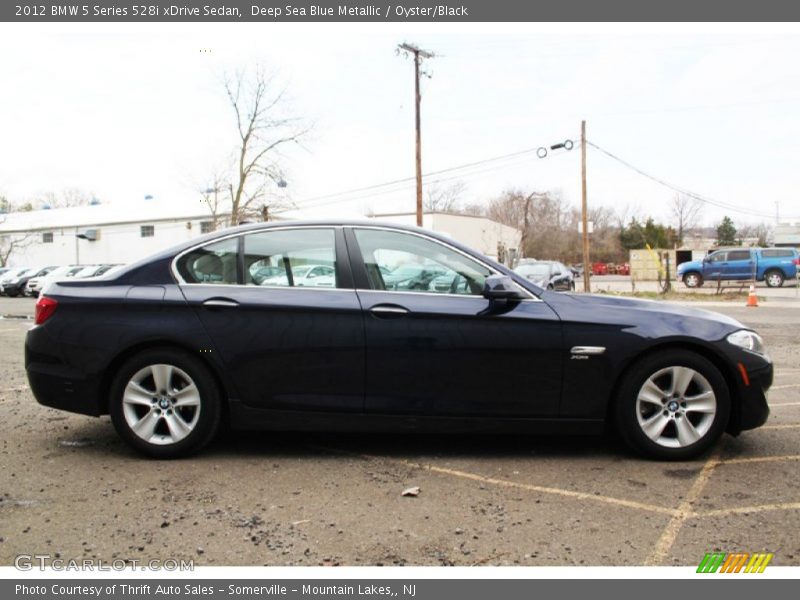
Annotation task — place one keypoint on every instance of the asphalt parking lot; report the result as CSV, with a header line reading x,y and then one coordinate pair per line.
x,y
69,487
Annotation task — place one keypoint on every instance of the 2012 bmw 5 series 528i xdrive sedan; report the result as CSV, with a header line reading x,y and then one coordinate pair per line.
x,y
172,344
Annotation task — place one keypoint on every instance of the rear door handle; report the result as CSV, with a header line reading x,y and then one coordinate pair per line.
x,y
220,303
388,311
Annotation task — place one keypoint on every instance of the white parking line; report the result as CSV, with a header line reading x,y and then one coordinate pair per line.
x,y
756,459
749,509
786,426
684,512
538,488
512,484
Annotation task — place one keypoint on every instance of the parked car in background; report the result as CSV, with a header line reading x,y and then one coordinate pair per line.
x,y
599,268
36,284
548,275
411,276
14,284
771,265
94,270
304,276
500,354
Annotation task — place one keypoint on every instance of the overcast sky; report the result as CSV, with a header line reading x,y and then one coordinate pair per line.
x,y
126,111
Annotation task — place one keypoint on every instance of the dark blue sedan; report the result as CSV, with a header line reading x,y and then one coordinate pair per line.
x,y
169,345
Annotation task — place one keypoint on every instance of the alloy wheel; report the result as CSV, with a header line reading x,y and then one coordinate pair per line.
x,y
161,404
676,407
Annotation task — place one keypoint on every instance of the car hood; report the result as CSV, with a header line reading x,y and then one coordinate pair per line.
x,y
692,265
658,318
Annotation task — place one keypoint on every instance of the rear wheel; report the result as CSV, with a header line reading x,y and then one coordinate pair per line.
x,y
693,279
165,403
774,278
672,405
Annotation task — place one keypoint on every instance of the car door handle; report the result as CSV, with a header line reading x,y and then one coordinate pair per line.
x,y
388,311
220,303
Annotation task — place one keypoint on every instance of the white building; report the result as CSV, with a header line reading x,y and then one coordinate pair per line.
x,y
109,233
479,233
101,233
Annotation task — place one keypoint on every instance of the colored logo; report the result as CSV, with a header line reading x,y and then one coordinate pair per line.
x,y
734,562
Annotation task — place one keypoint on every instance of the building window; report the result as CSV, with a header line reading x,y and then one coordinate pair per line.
x,y
47,237
206,226
148,230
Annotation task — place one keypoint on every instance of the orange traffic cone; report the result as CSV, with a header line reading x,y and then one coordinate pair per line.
x,y
752,299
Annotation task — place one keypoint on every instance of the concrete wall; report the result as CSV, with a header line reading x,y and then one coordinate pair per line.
x,y
645,264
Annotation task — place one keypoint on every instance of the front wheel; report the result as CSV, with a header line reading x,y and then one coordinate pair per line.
x,y
774,278
693,280
165,403
672,405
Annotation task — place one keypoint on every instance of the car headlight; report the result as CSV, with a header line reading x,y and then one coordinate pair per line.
x,y
747,340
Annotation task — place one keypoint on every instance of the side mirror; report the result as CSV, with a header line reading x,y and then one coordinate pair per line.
x,y
501,287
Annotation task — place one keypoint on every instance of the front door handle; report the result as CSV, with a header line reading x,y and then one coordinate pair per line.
x,y
388,311
220,303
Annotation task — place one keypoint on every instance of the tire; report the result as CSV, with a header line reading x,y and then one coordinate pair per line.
x,y
693,279
138,403
774,278
659,424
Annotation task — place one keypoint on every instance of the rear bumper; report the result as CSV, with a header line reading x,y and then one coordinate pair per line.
x,y
55,383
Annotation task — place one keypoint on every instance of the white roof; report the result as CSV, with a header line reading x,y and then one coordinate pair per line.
x,y
137,211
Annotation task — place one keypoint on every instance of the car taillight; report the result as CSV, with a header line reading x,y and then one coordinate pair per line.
x,y
45,307
796,261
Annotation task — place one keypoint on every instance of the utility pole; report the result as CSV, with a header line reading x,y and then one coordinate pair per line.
x,y
585,217
419,54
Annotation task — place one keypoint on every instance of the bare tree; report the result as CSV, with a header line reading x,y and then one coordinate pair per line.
x,y
213,196
444,199
68,197
759,234
263,127
11,242
685,212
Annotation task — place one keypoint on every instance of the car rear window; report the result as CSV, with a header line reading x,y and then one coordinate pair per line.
x,y
777,252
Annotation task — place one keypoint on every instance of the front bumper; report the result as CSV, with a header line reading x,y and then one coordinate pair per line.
x,y
752,409
13,289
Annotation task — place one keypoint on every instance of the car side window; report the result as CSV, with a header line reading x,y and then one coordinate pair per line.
x,y
212,263
739,255
404,262
291,258
719,257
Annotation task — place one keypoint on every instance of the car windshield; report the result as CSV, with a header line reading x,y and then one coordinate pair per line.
x,y
540,270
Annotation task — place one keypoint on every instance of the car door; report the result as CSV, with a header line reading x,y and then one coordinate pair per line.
x,y
739,265
447,351
285,346
714,266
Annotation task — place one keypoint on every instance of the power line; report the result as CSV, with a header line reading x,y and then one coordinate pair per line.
x,y
461,167
681,190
